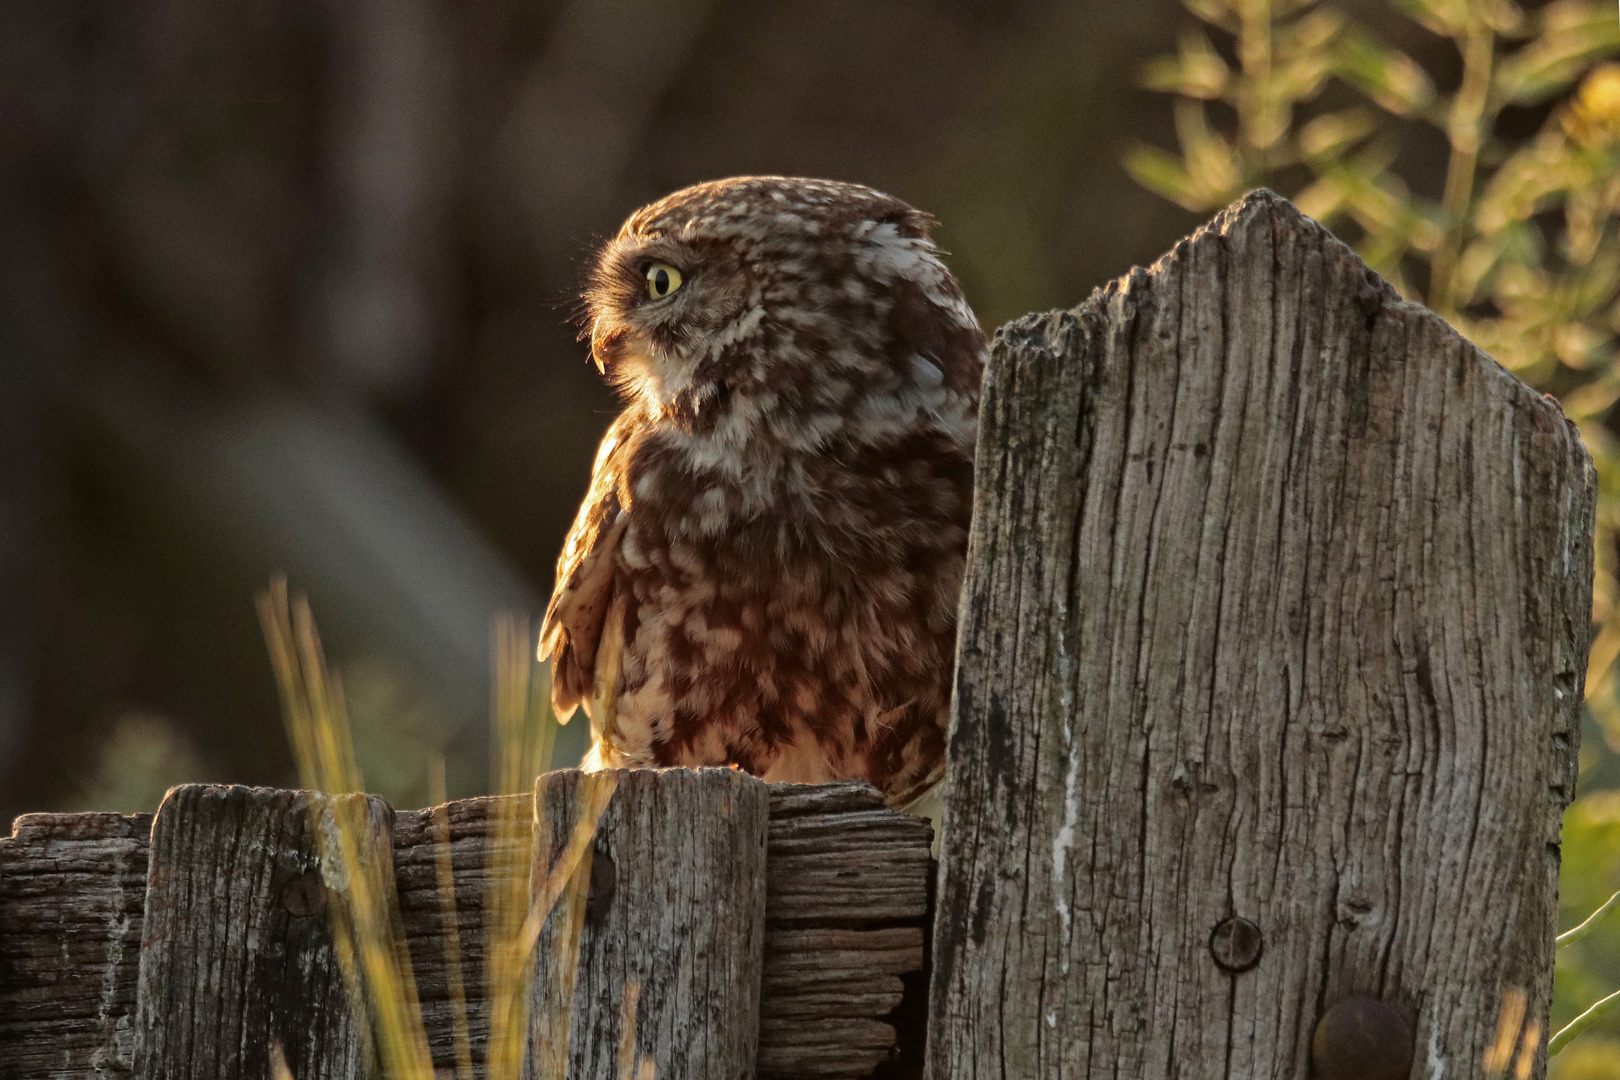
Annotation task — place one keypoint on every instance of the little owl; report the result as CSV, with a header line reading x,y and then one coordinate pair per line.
x,y
765,570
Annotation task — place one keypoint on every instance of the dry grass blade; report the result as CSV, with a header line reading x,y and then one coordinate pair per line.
x,y
1508,1023
316,720
524,736
356,860
627,1030
1527,1051
278,1063
598,789
629,1068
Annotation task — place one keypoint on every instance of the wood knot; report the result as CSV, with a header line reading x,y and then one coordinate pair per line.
x,y
304,894
604,881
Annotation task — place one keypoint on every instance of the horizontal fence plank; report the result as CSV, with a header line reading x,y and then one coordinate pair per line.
x,y
477,868
846,907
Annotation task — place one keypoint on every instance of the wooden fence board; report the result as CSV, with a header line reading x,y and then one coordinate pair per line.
x,y
680,933
72,898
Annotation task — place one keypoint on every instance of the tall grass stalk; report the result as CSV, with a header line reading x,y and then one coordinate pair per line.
x,y
1579,1025
564,889
1509,1023
1591,922
627,1031
1513,1032
356,861
520,892
278,1063
628,1067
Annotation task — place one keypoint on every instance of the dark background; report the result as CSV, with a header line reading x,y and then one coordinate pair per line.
x,y
285,286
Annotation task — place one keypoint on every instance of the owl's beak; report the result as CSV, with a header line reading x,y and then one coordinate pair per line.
x,y
606,345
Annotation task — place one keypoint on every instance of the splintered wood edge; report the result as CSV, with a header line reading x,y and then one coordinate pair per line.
x,y
847,897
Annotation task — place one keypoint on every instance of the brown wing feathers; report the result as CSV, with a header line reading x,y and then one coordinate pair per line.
x,y
584,593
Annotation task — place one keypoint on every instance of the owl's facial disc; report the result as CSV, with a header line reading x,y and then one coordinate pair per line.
x,y
640,293
658,304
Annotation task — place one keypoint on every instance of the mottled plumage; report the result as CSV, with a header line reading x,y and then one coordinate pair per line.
x,y
765,570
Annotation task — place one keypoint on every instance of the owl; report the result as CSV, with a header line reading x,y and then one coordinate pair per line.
x,y
766,568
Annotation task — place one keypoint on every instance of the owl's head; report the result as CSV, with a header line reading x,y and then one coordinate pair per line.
x,y
730,302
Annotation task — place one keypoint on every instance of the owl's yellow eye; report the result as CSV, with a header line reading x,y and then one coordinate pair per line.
x,y
662,279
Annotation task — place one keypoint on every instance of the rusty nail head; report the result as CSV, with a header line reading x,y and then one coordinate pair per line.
x,y
304,894
1362,1039
1236,944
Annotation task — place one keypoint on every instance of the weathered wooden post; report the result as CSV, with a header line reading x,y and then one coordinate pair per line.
x,y
670,945
237,953
1277,611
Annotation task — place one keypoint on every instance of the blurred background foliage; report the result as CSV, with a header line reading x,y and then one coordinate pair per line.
x,y
284,287
1470,150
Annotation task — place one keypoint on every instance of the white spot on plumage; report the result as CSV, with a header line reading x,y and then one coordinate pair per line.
x,y
889,255
925,372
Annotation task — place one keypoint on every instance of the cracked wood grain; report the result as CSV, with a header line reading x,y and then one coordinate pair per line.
x,y
846,901
1277,607
846,884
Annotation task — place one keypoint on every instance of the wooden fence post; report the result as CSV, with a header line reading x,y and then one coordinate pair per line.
x,y
676,925
1276,611
237,951
72,901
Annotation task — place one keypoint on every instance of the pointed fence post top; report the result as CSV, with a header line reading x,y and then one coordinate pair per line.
x,y
1273,638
